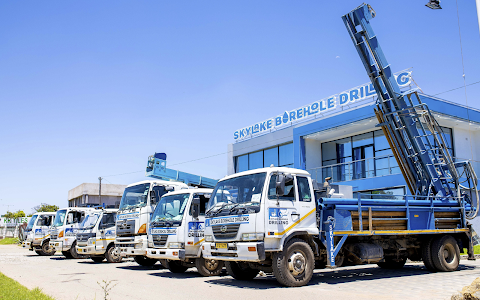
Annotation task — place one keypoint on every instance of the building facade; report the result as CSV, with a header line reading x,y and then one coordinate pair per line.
x,y
86,194
345,142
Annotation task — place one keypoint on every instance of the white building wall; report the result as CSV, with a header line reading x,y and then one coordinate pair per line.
x,y
313,153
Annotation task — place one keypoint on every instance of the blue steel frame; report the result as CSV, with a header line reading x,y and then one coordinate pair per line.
x,y
157,168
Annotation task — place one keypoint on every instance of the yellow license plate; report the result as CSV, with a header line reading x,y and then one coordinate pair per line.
x,y
221,245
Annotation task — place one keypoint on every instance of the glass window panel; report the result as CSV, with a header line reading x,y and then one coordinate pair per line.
x,y
329,151
288,192
344,147
380,140
362,139
303,189
285,154
255,160
383,153
242,163
270,156
394,193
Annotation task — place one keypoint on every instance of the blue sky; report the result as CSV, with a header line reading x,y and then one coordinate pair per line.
x,y
92,88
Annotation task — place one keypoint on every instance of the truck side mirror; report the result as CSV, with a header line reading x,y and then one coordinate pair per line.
x,y
280,185
169,188
153,197
196,207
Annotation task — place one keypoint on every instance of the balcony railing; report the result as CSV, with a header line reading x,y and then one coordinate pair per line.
x,y
365,168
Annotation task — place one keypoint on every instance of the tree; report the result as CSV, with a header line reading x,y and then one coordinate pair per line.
x,y
8,215
44,207
15,215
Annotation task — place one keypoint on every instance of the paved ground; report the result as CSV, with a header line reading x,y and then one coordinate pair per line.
x,y
77,279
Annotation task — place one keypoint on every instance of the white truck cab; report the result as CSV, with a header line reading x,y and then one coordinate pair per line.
x,y
176,232
138,203
96,236
38,236
246,221
64,230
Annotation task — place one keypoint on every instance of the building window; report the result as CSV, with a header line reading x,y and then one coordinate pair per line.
x,y
280,156
395,193
369,153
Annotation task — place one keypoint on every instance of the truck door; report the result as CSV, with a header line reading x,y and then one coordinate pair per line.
x,y
106,231
296,209
195,228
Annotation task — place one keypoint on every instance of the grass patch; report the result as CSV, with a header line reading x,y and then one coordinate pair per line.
x,y
10,289
9,241
476,250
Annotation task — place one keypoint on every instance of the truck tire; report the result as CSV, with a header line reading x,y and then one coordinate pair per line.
x,y
391,263
67,254
144,261
113,254
427,255
294,265
97,259
74,253
175,266
46,249
208,267
39,252
445,253
240,271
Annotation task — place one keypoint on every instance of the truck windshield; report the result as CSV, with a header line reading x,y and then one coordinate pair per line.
x,y
59,218
170,209
89,221
135,196
237,195
31,222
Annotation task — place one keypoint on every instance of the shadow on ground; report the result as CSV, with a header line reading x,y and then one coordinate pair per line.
x,y
331,277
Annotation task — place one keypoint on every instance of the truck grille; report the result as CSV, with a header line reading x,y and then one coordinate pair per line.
x,y
125,227
53,235
225,231
160,240
83,237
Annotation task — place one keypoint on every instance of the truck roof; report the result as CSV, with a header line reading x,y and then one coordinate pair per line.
x,y
189,191
45,213
77,208
164,182
292,171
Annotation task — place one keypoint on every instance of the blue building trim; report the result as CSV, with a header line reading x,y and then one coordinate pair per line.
x,y
451,109
377,183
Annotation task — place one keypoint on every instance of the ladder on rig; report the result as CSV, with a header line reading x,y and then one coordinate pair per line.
x,y
414,135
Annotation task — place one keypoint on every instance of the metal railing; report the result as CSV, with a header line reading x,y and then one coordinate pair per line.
x,y
365,168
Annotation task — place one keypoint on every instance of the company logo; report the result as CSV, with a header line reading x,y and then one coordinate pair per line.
x,y
319,107
278,216
168,231
71,231
223,228
196,229
227,220
128,216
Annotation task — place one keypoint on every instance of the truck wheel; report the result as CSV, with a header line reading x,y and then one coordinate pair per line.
x,y
144,261
208,267
427,255
74,253
97,259
67,254
294,265
391,263
176,266
113,255
47,250
240,271
445,253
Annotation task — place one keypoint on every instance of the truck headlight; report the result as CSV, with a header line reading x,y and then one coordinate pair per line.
x,y
175,245
209,238
91,241
138,246
252,236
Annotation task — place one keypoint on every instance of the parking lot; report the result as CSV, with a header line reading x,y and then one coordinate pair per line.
x,y
77,279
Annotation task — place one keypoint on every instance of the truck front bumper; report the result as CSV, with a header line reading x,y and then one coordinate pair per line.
x,y
27,244
60,245
170,254
88,250
237,251
131,246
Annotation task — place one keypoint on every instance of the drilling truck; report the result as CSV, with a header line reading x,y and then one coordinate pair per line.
x,y
280,221
139,201
38,236
96,236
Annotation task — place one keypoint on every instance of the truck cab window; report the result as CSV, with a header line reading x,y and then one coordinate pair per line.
x,y
288,193
303,189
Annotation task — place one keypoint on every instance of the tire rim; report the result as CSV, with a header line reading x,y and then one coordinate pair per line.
x,y
449,254
297,263
115,253
211,264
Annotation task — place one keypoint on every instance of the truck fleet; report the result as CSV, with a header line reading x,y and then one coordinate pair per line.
x,y
277,219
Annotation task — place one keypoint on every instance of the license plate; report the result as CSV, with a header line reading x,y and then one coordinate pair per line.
x,y
221,245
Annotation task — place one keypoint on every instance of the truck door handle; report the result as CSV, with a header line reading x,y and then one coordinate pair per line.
x,y
295,216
